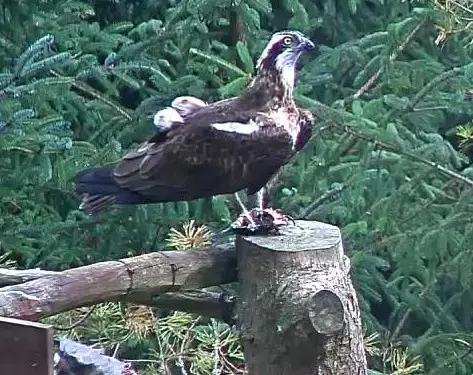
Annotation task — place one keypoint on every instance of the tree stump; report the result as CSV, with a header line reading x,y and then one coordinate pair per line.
x,y
297,310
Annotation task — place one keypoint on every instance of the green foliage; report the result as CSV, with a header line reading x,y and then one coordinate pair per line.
x,y
407,222
178,341
390,163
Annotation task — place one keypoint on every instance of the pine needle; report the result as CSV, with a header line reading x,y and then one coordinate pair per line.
x,y
140,320
191,236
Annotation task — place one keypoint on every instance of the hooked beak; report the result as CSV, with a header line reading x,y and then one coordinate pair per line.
x,y
307,45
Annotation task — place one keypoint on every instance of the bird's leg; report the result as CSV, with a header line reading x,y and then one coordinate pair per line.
x,y
274,217
262,198
245,215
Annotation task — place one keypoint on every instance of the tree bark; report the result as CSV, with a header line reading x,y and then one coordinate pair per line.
x,y
297,310
137,279
13,277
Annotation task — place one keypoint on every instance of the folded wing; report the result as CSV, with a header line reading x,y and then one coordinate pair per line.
x,y
197,160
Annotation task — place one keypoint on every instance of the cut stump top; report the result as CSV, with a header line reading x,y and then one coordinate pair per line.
x,y
303,236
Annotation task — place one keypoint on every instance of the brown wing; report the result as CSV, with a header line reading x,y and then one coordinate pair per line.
x,y
197,161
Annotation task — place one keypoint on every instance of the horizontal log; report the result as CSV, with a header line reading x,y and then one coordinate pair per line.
x,y
131,278
13,277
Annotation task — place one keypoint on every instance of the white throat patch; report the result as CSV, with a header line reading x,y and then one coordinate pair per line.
x,y
288,76
286,65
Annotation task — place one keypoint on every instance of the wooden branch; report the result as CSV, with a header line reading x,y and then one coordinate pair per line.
x,y
201,302
151,274
297,310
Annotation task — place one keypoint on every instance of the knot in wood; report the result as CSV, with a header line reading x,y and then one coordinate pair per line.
x,y
326,312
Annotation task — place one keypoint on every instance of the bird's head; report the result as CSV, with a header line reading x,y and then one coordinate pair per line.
x,y
283,53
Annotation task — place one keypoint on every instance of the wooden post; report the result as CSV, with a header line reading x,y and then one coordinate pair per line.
x,y
26,348
297,311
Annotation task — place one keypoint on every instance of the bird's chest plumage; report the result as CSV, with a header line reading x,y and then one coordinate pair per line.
x,y
287,117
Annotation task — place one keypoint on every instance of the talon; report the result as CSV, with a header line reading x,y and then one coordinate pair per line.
x,y
264,221
278,217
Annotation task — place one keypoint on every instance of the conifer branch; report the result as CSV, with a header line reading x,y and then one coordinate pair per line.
x,y
94,93
436,81
306,212
433,83
409,155
394,55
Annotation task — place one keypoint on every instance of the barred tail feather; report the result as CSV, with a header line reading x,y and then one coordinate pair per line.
x,y
98,190
92,204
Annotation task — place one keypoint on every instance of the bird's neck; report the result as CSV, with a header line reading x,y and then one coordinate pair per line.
x,y
271,85
271,92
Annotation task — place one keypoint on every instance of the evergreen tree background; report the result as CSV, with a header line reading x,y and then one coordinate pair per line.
x,y
390,163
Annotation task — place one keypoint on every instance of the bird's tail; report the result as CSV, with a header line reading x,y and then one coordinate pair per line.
x,y
98,190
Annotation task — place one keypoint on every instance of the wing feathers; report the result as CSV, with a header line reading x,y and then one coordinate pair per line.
x,y
95,203
237,127
166,117
196,164
196,158
185,105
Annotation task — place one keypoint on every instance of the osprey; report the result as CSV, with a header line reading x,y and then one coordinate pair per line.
x,y
220,148
183,105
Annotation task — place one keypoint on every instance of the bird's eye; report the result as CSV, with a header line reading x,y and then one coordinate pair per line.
x,y
287,41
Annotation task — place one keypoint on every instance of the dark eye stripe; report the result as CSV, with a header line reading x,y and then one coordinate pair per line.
x,y
279,47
